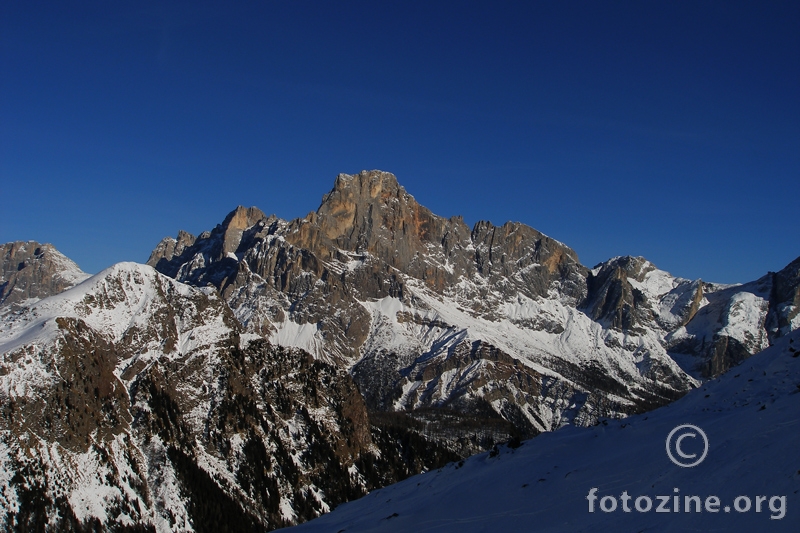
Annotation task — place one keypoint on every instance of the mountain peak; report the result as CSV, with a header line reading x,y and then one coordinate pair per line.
x,y
371,212
30,270
242,218
373,188
367,184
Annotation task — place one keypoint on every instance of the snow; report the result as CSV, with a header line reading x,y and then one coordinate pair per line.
x,y
582,339
90,496
9,500
286,509
386,332
747,314
67,270
167,500
427,325
304,336
656,282
26,372
408,388
751,416
87,480
122,297
65,304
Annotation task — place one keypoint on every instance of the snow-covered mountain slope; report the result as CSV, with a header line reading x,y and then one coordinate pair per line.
x,y
73,366
126,303
750,415
30,271
132,403
540,377
502,320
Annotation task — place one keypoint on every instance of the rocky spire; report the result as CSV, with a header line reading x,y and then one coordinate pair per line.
x,y
235,224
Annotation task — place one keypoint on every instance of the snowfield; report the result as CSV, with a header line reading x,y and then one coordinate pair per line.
x,y
751,416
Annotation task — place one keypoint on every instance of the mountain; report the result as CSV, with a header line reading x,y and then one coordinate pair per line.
x,y
750,416
502,321
31,271
133,402
719,325
266,371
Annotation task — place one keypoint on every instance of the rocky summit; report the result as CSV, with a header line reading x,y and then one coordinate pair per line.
x,y
265,371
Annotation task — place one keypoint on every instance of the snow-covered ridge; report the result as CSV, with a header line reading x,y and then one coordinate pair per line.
x,y
145,314
120,297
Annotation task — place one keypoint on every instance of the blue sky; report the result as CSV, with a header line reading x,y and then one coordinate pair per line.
x,y
669,130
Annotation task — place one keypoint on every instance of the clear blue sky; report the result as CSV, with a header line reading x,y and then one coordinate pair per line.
x,y
664,129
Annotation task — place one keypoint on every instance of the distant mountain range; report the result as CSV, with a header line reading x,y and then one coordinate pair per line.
x,y
263,372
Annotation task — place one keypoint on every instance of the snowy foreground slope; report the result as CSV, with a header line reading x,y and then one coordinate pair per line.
x,y
751,416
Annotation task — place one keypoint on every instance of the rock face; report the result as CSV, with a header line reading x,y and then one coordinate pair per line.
x,y
31,271
784,301
132,403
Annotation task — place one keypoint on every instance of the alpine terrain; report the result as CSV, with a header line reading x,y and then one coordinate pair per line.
x,y
266,371
748,481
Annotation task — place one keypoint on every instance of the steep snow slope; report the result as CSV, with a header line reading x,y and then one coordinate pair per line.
x,y
750,415
429,329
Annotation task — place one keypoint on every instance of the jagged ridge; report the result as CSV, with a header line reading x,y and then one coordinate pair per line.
x,y
378,284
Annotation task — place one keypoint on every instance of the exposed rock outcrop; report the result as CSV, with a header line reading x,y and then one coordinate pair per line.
x,y
31,271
